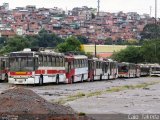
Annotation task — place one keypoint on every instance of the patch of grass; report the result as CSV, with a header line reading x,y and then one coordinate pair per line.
x,y
70,98
94,93
100,92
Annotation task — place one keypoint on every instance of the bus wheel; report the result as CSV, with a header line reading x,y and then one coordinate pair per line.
x,y
72,80
92,78
101,77
108,76
57,79
82,78
41,80
6,77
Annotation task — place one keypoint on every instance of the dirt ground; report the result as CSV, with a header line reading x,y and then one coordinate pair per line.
x,y
105,100
23,104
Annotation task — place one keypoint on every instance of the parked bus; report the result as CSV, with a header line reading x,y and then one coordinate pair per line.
x,y
155,70
102,69
113,69
36,67
4,68
127,70
76,68
144,69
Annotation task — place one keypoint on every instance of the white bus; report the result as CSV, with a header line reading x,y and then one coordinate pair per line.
x,y
76,68
155,70
36,67
4,68
128,70
102,69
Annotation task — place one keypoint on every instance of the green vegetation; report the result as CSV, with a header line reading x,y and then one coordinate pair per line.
x,y
70,44
43,39
100,92
148,52
151,31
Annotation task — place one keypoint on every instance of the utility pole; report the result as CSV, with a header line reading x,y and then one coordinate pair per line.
x,y
96,28
98,7
156,19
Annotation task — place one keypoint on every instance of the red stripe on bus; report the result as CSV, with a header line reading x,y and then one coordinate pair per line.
x,y
122,72
40,72
55,71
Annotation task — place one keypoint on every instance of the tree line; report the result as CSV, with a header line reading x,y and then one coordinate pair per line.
x,y
148,50
43,39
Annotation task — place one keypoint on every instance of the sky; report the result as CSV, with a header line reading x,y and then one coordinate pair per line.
x,y
140,6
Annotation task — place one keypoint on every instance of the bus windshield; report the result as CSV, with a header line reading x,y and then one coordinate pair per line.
x,y
156,69
21,64
122,68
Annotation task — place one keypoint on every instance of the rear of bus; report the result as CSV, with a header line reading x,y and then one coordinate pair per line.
x,y
123,70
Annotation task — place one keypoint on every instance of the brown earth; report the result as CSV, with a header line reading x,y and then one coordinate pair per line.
x,y
23,104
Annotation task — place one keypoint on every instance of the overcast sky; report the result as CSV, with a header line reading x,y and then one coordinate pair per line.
x,y
140,6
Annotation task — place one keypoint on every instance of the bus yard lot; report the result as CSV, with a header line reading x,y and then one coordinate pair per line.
x,y
120,96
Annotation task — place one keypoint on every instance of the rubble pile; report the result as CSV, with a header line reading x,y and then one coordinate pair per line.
x,y
20,104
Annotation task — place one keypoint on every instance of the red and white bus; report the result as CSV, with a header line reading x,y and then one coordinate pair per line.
x,y
36,67
102,69
128,70
76,68
4,68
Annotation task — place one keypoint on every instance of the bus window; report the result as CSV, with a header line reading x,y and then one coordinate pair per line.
x,y
67,67
49,59
40,60
3,64
61,61
57,61
35,63
45,60
53,61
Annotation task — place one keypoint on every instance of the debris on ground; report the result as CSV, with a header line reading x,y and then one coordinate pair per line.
x,y
19,104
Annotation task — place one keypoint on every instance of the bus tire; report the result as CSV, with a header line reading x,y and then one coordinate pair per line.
x,y
108,76
41,80
82,78
92,78
101,77
6,77
57,79
72,79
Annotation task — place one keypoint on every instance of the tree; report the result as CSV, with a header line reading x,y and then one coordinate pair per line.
x,y
130,54
2,41
83,39
151,31
151,51
70,44
16,43
46,39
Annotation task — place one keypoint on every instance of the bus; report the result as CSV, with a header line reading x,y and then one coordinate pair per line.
x,y
76,68
4,68
155,70
102,69
36,67
127,70
144,69
113,69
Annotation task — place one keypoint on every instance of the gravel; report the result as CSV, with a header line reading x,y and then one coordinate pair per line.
x,y
23,104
